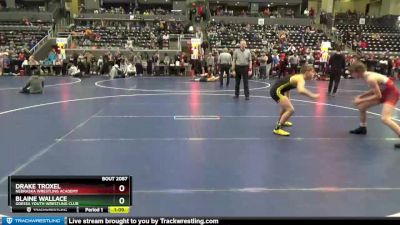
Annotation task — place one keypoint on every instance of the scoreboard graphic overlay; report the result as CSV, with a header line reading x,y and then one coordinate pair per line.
x,y
74,194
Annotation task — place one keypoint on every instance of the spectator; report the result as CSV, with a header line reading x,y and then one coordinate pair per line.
x,y
354,45
82,9
100,64
269,65
306,12
52,56
263,65
149,65
283,64
294,61
310,59
21,56
116,72
33,65
210,64
167,62
266,12
74,71
363,44
117,57
32,43
124,66
129,43
370,62
58,65
383,66
138,65
156,63
292,49
130,70
390,66
82,65
205,46
165,41
6,64
25,63
312,14
397,66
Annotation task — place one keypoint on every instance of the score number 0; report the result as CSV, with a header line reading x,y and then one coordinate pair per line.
x,y
121,200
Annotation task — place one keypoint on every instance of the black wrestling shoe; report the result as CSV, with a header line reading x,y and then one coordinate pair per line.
x,y
247,98
235,97
360,130
397,146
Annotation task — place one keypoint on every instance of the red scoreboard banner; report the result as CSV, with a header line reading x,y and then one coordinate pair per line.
x,y
91,194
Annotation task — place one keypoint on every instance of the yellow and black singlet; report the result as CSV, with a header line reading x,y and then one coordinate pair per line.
x,y
280,87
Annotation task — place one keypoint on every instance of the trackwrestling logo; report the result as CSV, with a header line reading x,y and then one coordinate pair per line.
x,y
33,220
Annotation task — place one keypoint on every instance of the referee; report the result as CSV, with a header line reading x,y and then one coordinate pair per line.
x,y
241,66
225,63
337,64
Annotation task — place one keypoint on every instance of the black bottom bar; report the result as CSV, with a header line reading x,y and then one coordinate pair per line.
x,y
207,221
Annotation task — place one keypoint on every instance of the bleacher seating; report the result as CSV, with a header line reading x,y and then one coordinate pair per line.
x,y
257,36
380,39
22,23
105,37
18,39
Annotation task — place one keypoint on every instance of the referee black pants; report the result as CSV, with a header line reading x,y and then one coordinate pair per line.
x,y
224,68
242,71
334,78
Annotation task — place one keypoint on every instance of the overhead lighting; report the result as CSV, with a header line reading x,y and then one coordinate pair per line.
x,y
287,3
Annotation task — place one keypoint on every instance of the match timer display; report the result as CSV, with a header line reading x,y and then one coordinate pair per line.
x,y
62,194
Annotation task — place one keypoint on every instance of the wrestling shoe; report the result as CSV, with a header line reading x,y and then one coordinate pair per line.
x,y
397,146
360,130
281,132
288,124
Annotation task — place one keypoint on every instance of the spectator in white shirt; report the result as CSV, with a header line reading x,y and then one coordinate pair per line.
x,y
306,12
116,72
74,71
292,48
100,64
130,70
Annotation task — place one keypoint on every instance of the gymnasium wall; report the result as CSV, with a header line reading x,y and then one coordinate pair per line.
x,y
390,7
357,5
314,4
